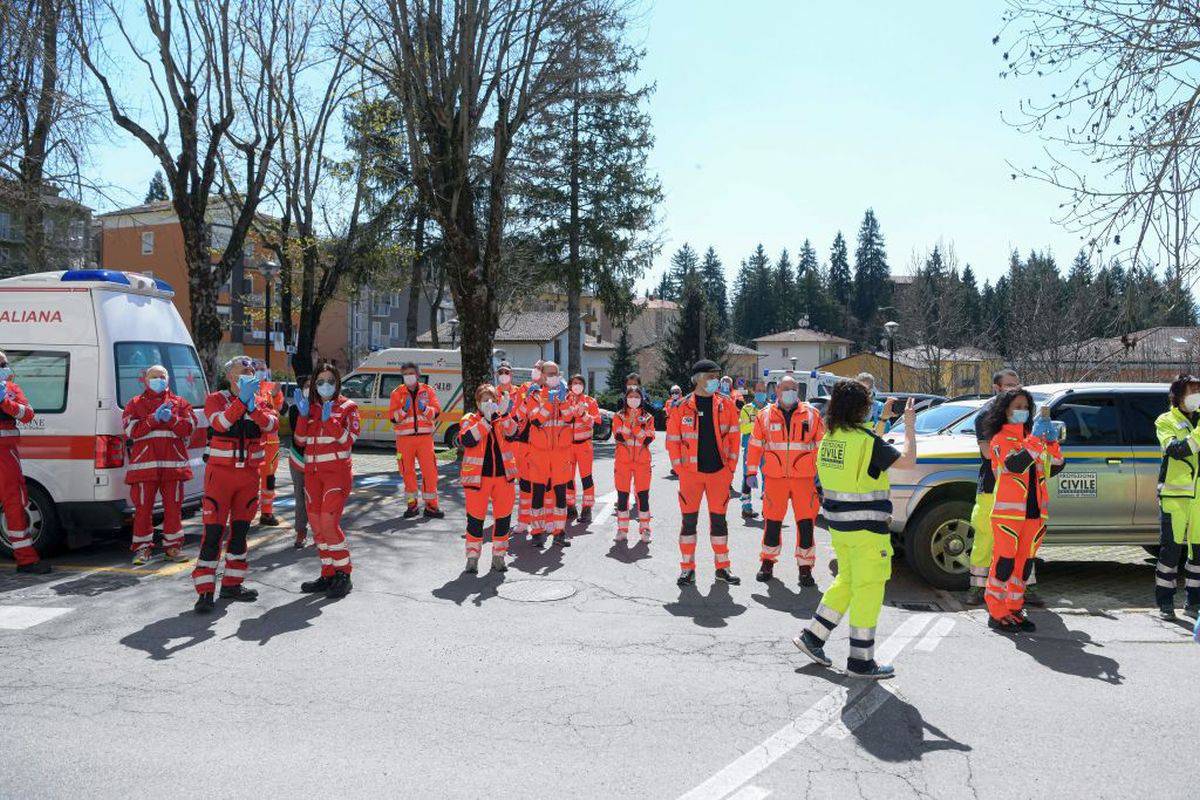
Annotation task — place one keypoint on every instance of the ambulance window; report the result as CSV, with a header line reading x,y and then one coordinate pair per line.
x,y
43,378
388,384
187,378
133,358
358,387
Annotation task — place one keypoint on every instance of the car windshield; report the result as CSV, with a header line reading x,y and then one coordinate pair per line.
x,y
932,420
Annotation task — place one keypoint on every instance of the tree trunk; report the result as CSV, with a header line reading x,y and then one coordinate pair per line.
x,y
574,271
475,302
202,296
415,283
434,306
309,316
32,166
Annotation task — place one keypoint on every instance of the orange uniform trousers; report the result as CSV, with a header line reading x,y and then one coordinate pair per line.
x,y
582,456
549,472
498,492
1016,543
712,487
801,493
411,451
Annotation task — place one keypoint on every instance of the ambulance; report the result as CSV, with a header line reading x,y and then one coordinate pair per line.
x,y
814,384
78,343
372,383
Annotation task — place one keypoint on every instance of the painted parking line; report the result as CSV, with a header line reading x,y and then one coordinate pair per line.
x,y
787,738
605,505
751,793
18,618
935,635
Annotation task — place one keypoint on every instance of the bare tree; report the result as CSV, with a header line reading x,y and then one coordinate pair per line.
x,y
469,74
1121,120
936,325
213,119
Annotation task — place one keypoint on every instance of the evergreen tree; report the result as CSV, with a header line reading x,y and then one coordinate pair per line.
x,y
621,364
755,307
819,307
713,274
871,272
157,190
693,335
787,312
806,266
740,313
839,271
972,301
667,290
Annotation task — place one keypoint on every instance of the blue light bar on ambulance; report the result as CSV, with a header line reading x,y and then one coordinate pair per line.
x,y
163,286
105,275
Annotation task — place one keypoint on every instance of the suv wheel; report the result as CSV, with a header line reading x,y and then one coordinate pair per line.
x,y
44,527
937,544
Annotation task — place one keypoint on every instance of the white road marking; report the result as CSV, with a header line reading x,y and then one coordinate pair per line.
x,y
934,637
791,735
874,696
372,480
751,793
605,505
18,618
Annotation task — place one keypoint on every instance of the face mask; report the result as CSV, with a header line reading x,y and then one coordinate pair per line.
x,y
326,390
535,374
410,380
576,388
711,385
5,373
487,408
760,398
1191,403
553,380
504,378
245,379
1019,416
157,384
789,397
633,401
263,375
725,388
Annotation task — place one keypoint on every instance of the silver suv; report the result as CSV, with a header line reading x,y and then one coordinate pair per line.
x,y
1106,494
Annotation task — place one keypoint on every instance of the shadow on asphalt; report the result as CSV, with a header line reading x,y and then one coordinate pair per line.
x,y
481,587
287,618
709,611
159,640
531,560
1056,647
627,553
93,585
779,597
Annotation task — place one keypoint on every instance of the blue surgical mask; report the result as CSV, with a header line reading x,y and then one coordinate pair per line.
x,y
711,385
157,384
789,397
5,373
760,398
326,390
1019,416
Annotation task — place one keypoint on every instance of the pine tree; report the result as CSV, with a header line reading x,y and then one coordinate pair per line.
x,y
713,274
806,266
972,301
740,314
754,303
683,345
621,364
787,312
157,191
839,271
667,290
871,272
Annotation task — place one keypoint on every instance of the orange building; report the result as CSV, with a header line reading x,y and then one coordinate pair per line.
x,y
148,239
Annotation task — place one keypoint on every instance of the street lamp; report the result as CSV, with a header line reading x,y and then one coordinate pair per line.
x,y
269,269
891,327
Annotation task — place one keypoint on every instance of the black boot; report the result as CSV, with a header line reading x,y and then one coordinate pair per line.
x,y
585,516
561,540
571,512
36,568
1167,613
268,519
687,578
728,577
538,540
411,511
806,578
321,584
340,586
239,594
808,643
765,572
434,513
871,670
204,603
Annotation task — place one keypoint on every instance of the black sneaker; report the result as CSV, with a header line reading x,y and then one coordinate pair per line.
x,y
1007,625
538,540
686,578
36,568
1024,622
873,671
411,511
1192,610
434,513
321,584
765,572
238,594
472,567
806,578
498,564
339,586
561,540
728,577
808,643
974,597
748,512
585,516
204,603
268,519
1167,613
571,512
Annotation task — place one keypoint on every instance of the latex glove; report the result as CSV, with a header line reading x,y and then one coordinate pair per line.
x,y
163,413
421,403
326,410
407,403
247,389
3,389
508,406
752,481
300,400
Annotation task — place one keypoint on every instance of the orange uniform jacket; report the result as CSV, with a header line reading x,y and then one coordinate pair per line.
x,y
158,450
236,436
270,395
327,443
406,414
633,427
785,451
683,433
587,414
550,422
1013,453
474,456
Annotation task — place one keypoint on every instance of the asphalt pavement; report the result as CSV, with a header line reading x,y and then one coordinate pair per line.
x,y
581,672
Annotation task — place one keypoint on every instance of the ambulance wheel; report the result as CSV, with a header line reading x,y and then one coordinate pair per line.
x,y
451,437
44,527
937,544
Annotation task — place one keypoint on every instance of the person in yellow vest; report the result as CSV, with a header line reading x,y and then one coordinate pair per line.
x,y
269,396
754,403
1179,435
852,466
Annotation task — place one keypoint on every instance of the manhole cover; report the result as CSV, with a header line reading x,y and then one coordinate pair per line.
x,y
535,591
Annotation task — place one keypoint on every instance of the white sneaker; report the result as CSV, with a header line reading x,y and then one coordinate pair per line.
x,y
142,555
646,536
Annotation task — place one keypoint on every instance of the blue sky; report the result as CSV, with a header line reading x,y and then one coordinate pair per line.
x,y
778,120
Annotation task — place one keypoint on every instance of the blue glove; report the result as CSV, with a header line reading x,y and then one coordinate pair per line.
x,y
1043,429
407,403
163,413
752,481
3,389
326,410
561,392
300,400
421,404
247,388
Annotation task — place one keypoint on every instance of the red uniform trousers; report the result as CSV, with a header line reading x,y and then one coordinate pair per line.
x,y
802,494
582,456
1016,542
266,493
499,493
714,487
411,451
14,498
230,498
326,489
142,494
637,475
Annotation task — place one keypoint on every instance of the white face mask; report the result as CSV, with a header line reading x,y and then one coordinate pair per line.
x,y
788,398
504,378
1191,403
553,380
576,388
535,373
410,380
634,401
488,407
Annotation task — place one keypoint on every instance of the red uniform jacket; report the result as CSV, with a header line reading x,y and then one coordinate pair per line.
x,y
158,451
327,443
406,412
235,436
14,408
478,436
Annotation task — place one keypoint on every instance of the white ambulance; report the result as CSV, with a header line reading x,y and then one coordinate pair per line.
x,y
372,383
78,343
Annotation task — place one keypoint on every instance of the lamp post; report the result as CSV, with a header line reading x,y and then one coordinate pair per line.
x,y
891,327
269,270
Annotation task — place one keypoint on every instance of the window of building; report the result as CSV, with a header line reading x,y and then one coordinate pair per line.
x,y
247,285
785,352
396,299
9,229
148,243
558,351
43,377
376,327
394,333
